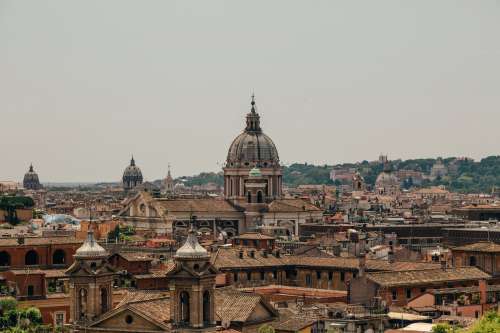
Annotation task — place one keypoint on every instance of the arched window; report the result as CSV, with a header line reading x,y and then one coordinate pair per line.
x,y
472,261
259,197
249,197
206,307
184,307
31,258
4,258
59,257
82,303
104,300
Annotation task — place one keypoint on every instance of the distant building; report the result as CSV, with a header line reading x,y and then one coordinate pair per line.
x,y
169,183
439,170
387,183
132,176
31,181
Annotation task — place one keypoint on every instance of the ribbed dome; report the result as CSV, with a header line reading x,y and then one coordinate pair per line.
x,y
31,181
252,147
132,176
90,248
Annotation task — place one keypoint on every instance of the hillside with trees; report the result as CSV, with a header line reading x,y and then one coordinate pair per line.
x,y
468,176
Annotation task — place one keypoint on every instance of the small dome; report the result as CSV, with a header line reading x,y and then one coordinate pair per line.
x,y
30,180
90,248
132,176
191,248
255,173
386,179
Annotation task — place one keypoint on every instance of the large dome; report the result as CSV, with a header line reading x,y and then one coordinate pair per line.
x,y
31,181
252,147
132,176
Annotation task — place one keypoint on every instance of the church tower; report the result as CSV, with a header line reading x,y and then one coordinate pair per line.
x,y
90,281
169,183
192,286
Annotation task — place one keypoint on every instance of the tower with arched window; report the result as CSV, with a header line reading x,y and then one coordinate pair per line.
x,y
90,282
192,286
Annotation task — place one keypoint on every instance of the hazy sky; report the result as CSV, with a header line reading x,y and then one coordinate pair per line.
x,y
84,84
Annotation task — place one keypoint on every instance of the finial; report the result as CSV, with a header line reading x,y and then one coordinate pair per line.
x,y
31,167
132,161
253,102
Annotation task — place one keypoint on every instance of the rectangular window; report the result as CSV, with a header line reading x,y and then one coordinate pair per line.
x,y
249,276
342,276
318,275
330,276
394,295
275,275
60,319
408,292
262,276
308,280
235,277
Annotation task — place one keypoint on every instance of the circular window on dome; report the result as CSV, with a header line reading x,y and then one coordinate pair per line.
x,y
129,319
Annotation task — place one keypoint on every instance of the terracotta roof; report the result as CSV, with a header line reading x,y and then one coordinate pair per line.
x,y
33,241
131,256
293,323
197,205
480,247
233,305
140,296
291,205
230,258
428,276
253,235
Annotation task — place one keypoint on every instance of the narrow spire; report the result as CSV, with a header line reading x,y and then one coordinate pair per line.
x,y
253,102
132,161
31,167
168,174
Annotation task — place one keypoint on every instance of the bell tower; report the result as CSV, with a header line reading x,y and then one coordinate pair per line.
x,y
90,281
192,286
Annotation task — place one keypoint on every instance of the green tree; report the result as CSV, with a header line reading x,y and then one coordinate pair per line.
x,y
266,328
489,323
441,328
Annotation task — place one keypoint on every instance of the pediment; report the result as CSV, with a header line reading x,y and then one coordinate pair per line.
x,y
128,319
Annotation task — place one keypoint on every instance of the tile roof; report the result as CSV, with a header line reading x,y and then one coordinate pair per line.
x,y
234,305
231,305
226,258
291,205
33,241
253,235
479,247
197,205
428,276
131,256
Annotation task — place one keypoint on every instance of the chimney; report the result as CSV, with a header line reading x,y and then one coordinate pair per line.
x,y
362,264
443,262
483,291
390,255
